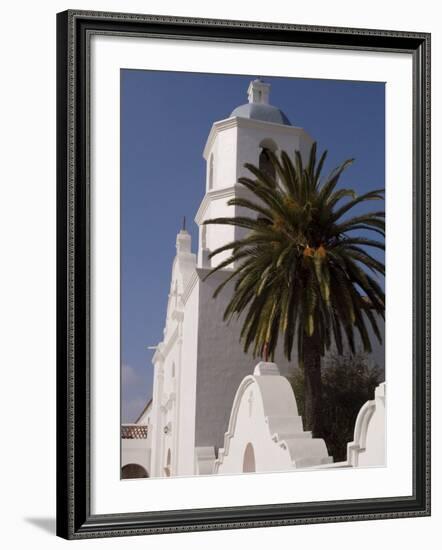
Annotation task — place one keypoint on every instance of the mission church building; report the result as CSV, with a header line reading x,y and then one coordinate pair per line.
x,y
210,399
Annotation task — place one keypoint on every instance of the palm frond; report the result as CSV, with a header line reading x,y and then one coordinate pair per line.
x,y
303,266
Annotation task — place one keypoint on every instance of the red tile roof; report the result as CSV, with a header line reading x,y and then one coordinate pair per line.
x,y
133,431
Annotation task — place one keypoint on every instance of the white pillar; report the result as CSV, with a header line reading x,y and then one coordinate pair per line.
x,y
156,414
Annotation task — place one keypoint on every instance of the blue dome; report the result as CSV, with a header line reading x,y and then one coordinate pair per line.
x,y
261,111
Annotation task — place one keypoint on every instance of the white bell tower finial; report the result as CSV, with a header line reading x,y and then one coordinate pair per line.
x,y
258,92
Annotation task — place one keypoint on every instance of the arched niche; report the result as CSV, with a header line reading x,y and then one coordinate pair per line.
x,y
167,468
249,464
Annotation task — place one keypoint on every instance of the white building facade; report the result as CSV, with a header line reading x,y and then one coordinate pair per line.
x,y
200,364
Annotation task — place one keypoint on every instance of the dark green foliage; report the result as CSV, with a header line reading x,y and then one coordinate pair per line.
x,y
348,381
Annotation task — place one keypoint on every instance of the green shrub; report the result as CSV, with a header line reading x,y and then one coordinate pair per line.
x,y
348,381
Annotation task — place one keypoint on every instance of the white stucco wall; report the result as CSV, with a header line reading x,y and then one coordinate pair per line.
x,y
187,384
224,151
135,451
219,235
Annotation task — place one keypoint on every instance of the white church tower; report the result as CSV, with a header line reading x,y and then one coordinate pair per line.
x,y
200,362
244,137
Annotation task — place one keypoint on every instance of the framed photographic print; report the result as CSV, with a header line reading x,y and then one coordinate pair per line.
x,y
243,274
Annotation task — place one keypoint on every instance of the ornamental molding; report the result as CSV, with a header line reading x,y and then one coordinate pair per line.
x,y
235,190
244,122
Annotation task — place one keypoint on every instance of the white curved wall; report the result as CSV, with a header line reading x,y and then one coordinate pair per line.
x,y
265,432
368,445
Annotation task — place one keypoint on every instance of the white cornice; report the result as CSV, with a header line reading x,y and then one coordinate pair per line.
x,y
215,194
246,123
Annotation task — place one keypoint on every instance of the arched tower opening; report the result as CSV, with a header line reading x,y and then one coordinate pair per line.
x,y
265,164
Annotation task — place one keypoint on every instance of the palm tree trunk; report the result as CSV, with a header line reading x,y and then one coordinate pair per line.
x,y
312,386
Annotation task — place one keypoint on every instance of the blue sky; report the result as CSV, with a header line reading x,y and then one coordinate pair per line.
x,y
165,120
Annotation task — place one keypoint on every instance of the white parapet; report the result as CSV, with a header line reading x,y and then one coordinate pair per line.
x,y
368,445
265,431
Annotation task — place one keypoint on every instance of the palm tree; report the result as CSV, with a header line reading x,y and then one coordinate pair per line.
x,y
303,272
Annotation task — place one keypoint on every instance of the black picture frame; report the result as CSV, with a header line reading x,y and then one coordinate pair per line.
x,y
74,518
